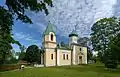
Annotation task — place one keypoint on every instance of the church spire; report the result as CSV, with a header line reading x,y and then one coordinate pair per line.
x,y
48,29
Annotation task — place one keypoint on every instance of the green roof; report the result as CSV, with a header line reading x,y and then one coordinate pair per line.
x,y
73,33
48,29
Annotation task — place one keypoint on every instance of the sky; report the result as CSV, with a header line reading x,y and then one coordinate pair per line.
x,y
65,16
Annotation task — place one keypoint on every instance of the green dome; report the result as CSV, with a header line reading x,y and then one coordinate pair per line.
x,y
73,33
48,29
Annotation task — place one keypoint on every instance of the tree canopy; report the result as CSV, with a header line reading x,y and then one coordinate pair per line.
x,y
103,33
115,46
16,10
32,54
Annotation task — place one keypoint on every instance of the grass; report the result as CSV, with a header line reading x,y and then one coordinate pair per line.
x,y
64,71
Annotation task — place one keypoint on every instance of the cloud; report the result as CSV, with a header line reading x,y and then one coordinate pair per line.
x,y
66,14
26,37
117,8
38,19
21,35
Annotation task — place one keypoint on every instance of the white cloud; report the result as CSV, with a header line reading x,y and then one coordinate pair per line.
x,y
38,19
67,13
27,37
21,35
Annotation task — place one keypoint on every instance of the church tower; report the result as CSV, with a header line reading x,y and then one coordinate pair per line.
x,y
49,45
49,37
73,37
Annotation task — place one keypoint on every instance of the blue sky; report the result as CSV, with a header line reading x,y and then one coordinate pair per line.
x,y
65,15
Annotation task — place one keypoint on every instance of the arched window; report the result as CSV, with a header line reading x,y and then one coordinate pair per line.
x,y
52,56
67,56
51,37
80,49
63,56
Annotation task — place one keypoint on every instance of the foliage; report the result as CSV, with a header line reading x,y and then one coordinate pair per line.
x,y
115,46
5,34
16,9
89,54
110,60
113,55
9,67
11,58
21,55
32,54
103,32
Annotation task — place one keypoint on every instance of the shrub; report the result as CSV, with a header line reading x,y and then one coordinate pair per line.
x,y
9,67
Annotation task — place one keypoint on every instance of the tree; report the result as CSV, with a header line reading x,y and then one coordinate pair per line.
x,y
115,46
6,39
103,31
11,58
16,10
32,54
113,55
22,53
22,56
89,54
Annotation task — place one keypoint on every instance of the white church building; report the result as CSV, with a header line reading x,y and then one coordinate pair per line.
x,y
57,55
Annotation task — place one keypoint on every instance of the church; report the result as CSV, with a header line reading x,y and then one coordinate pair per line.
x,y
57,55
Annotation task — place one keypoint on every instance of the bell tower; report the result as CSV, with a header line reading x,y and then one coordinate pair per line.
x,y
73,37
49,37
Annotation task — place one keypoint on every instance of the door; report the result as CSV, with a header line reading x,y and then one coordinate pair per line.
x,y
79,59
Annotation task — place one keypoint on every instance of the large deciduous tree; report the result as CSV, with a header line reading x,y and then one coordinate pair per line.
x,y
6,39
32,54
16,10
115,46
103,32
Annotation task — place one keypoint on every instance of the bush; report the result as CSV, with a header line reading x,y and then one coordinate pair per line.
x,y
9,67
111,64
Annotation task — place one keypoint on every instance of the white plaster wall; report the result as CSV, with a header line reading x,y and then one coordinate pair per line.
x,y
73,55
61,60
48,60
85,55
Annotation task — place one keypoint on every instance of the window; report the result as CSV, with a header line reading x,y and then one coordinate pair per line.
x,y
80,49
51,37
67,56
63,56
52,56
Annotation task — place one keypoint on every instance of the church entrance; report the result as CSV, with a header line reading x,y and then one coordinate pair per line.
x,y
79,59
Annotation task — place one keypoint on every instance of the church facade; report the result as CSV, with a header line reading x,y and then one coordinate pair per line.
x,y
57,55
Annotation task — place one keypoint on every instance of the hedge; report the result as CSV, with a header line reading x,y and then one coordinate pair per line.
x,y
9,67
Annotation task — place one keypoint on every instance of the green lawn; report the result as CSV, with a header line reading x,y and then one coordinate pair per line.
x,y
65,71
